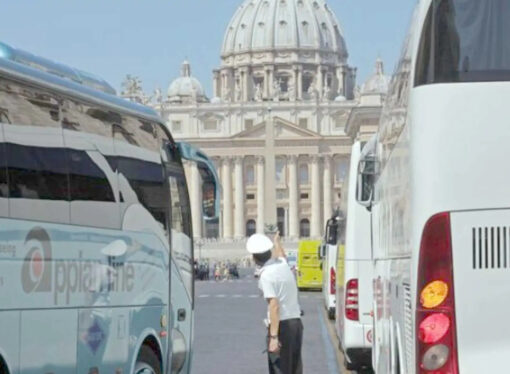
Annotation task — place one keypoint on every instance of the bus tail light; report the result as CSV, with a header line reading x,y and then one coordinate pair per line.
x,y
332,281
351,300
436,348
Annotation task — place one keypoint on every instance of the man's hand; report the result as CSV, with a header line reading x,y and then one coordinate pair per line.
x,y
274,345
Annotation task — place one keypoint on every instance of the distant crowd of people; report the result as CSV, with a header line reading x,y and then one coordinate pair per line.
x,y
219,271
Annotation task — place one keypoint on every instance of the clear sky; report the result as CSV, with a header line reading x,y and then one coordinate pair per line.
x,y
150,38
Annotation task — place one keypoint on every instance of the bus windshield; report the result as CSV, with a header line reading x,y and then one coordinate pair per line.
x,y
465,41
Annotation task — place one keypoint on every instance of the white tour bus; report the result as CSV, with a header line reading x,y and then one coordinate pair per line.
x,y
96,252
441,203
328,256
354,296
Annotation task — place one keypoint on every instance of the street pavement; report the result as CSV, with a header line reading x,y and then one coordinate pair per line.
x,y
230,334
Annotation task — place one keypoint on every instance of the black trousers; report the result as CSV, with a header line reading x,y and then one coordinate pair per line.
x,y
288,360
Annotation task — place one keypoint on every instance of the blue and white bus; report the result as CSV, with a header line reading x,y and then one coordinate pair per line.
x,y
96,250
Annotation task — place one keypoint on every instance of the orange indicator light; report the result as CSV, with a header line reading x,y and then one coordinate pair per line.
x,y
433,294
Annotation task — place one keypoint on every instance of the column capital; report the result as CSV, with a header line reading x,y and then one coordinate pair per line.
x,y
238,159
315,159
293,158
327,158
226,160
260,159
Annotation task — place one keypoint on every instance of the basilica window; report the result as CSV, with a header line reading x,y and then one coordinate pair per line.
x,y
251,227
303,174
211,125
303,123
341,169
304,228
280,171
177,126
248,124
249,176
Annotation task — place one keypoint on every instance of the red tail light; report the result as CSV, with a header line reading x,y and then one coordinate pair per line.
x,y
436,348
332,281
351,300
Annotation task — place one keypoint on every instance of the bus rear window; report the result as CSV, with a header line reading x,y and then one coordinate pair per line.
x,y
465,41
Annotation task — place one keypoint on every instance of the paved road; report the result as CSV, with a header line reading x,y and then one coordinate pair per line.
x,y
230,335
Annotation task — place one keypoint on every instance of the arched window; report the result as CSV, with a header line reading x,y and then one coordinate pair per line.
x,y
304,228
251,227
303,174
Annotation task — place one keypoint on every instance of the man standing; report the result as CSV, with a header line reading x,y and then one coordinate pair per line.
x,y
279,287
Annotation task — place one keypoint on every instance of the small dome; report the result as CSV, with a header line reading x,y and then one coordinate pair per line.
x,y
378,83
261,25
186,87
340,98
216,100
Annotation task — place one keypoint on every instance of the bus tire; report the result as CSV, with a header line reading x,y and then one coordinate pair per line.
x,y
147,362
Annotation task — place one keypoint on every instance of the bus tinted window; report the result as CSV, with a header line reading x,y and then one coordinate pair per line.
x,y
465,41
37,172
88,182
147,181
4,188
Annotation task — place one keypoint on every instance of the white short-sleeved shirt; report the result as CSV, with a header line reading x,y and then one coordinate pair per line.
x,y
277,281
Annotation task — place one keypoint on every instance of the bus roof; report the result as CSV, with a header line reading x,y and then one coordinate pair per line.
x,y
40,71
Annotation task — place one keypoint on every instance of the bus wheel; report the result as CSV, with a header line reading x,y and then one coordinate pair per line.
x,y
147,362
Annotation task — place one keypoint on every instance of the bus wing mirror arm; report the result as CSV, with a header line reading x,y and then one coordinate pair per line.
x,y
211,186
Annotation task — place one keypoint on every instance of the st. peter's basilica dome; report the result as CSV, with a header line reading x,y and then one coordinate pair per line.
x,y
262,25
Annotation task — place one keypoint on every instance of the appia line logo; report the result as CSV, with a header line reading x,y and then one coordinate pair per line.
x,y
40,273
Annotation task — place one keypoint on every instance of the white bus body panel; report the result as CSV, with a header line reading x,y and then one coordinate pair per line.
x,y
329,262
449,159
357,265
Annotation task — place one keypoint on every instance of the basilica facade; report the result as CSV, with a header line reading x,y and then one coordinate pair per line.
x,y
279,124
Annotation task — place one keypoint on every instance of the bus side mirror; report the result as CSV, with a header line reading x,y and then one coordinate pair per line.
x,y
211,186
368,169
332,232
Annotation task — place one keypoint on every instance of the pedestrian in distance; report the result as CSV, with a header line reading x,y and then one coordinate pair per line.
x,y
277,283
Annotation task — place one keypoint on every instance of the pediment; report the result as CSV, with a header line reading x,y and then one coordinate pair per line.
x,y
283,130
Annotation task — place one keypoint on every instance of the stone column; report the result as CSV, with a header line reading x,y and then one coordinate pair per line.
x,y
216,83
227,198
327,185
299,87
267,84
320,81
239,223
260,194
316,221
293,198
196,198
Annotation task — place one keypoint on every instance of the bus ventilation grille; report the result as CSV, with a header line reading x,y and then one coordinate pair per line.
x,y
491,248
408,315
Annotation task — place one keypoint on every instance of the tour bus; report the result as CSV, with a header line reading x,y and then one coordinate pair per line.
x,y
354,296
96,248
309,274
439,195
328,256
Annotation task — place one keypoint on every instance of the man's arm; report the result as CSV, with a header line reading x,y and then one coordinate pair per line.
x,y
278,247
274,318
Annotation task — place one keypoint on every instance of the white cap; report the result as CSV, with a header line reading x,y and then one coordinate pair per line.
x,y
259,243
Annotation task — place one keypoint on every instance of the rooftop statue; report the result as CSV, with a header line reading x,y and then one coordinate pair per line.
x,y
132,89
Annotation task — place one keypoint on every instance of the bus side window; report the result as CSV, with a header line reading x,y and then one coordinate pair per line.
x,y
4,187
182,236
87,131
141,171
87,181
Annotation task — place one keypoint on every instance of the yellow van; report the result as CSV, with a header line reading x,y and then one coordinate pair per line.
x,y
309,273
